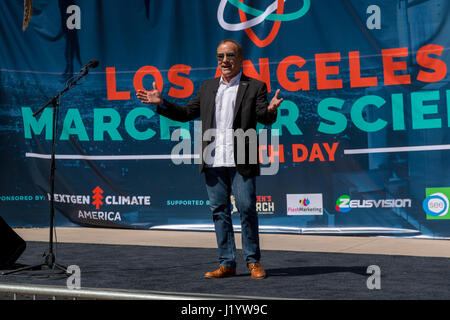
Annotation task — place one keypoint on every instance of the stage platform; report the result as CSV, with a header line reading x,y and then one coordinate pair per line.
x,y
170,264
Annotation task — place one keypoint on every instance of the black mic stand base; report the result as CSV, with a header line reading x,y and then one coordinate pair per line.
x,y
49,264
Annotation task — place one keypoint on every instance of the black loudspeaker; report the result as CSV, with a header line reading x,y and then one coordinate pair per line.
x,y
11,245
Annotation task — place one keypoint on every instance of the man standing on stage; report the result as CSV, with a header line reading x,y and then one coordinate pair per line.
x,y
228,103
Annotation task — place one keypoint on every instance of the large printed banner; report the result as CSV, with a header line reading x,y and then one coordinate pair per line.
x,y
363,131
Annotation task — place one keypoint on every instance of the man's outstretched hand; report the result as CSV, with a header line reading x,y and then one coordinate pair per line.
x,y
275,102
150,97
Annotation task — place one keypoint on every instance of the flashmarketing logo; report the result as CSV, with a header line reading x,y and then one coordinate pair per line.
x,y
436,203
304,204
259,17
344,203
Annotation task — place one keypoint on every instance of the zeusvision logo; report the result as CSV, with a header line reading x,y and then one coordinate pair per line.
x,y
344,203
274,12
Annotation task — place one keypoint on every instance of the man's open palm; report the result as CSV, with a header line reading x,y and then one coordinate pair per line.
x,y
150,97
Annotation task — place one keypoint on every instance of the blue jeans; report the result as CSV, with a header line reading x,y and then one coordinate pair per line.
x,y
220,184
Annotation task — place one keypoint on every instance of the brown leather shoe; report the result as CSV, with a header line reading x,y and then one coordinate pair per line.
x,y
221,272
256,270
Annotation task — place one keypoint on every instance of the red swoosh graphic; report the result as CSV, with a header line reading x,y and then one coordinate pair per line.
x,y
273,33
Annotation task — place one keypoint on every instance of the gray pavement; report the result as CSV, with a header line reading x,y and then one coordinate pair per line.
x,y
285,242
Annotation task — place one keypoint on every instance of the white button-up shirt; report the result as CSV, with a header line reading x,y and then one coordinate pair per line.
x,y
223,122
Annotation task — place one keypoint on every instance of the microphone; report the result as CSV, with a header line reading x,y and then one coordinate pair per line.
x,y
91,64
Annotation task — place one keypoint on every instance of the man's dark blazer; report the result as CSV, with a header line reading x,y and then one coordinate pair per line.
x,y
251,107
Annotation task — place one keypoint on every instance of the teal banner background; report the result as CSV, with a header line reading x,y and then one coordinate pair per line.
x,y
364,126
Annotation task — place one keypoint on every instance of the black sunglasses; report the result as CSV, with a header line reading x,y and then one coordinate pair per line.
x,y
229,55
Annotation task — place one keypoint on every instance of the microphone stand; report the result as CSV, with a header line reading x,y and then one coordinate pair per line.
x,y
50,260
